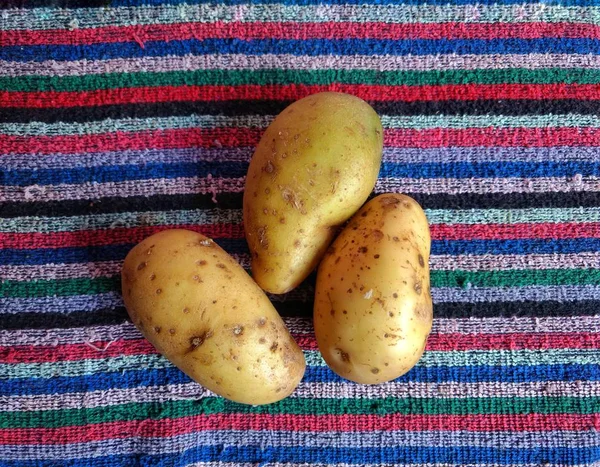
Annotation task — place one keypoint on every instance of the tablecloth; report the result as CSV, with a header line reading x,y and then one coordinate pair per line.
x,y
122,118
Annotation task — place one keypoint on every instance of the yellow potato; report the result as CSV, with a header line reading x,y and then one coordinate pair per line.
x,y
314,167
373,307
203,312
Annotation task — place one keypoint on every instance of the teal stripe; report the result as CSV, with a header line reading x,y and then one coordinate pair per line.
x,y
313,358
421,122
234,216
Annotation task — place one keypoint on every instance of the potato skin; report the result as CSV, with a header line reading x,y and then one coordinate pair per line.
x,y
314,167
202,311
373,309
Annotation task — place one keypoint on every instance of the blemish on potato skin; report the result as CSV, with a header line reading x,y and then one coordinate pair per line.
x,y
238,330
375,370
345,356
274,347
186,310
197,341
297,244
172,331
142,266
418,288
421,261
157,329
201,262
158,291
395,295
363,249
262,340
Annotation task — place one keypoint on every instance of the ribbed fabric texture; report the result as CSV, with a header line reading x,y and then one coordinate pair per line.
x,y
122,118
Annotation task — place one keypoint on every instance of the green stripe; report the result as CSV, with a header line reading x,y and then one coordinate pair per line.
x,y
310,77
508,278
313,358
213,405
136,219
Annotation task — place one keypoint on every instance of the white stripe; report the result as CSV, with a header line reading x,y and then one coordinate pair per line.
x,y
208,185
194,391
361,440
473,263
234,216
55,18
300,62
127,331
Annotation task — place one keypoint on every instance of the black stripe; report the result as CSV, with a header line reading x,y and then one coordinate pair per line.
x,y
234,201
273,107
304,309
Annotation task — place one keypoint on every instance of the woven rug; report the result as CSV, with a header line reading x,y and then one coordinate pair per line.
x,y
122,118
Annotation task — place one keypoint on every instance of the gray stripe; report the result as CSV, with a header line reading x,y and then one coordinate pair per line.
x,y
300,62
194,391
516,294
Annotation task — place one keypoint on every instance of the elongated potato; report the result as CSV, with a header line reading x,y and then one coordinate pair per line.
x,y
203,312
373,309
314,167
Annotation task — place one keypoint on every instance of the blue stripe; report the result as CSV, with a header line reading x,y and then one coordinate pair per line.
x,y
438,247
152,377
332,455
117,173
132,49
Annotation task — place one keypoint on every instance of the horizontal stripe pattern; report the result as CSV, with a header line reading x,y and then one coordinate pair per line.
x,y
122,120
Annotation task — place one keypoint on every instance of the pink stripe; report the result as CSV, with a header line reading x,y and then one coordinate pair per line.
x,y
290,30
322,423
438,342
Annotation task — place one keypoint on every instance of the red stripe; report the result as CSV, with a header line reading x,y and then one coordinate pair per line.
x,y
51,99
236,137
130,235
84,238
318,423
436,342
291,30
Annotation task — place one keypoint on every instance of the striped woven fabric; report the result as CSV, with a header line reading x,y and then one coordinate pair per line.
x,y
122,118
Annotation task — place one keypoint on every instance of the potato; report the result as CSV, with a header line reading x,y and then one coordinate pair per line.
x,y
314,167
373,307
203,312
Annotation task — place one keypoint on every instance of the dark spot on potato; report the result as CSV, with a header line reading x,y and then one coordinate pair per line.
x,y
297,244
418,288
238,330
396,239
274,347
349,291
282,220
386,364
330,250
221,266
186,310
197,278
214,302
129,292
389,202
201,262
332,312
262,340
142,266
395,295
363,249
421,261
337,260
267,191
157,329
261,322
197,341
376,256
265,211
377,235
374,370
345,356
364,214
158,291
239,368
172,331
269,167
345,312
